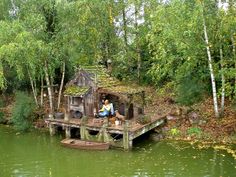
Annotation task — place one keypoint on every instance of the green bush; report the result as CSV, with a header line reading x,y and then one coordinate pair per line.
x,y
23,112
190,90
1,117
194,131
174,132
1,113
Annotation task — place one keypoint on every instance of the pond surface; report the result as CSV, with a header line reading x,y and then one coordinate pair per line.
x,y
36,154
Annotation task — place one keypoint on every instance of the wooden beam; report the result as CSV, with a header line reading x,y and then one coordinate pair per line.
x,y
46,86
146,128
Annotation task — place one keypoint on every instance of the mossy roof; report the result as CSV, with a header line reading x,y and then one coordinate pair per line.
x,y
101,76
74,90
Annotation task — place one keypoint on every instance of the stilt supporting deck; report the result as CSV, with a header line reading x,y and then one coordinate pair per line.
x,y
68,132
83,128
127,142
52,129
66,118
105,135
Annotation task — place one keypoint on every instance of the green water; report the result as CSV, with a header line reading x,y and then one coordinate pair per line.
x,y
37,154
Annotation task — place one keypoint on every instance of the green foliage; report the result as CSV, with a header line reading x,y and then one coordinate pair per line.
x,y
23,112
190,90
194,131
174,132
2,119
179,52
1,113
76,91
165,45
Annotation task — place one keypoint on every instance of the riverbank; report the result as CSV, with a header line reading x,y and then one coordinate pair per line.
x,y
195,122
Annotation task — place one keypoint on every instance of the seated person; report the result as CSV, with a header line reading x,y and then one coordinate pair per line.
x,y
107,109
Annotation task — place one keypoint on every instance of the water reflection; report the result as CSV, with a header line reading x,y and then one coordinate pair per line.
x,y
38,154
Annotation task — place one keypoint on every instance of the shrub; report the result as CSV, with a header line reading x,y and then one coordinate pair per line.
x,y
174,132
23,112
194,131
1,113
2,117
190,90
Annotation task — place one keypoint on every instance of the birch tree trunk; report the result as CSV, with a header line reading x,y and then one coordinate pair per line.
x,y
124,26
234,57
137,43
33,88
222,83
213,84
41,95
61,85
49,90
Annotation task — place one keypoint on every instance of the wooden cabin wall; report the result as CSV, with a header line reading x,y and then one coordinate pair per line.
x,y
89,104
121,109
75,104
135,112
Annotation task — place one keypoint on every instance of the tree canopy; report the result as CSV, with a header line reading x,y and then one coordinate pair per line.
x,y
188,45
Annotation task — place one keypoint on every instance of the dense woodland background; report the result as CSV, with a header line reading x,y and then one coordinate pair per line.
x,y
187,47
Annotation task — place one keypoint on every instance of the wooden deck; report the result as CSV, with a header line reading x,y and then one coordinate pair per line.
x,y
130,129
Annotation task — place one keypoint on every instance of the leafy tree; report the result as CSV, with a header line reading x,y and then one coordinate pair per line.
x,y
22,115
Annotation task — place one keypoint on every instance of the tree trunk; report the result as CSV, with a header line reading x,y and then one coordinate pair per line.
x,y
137,43
124,26
41,95
234,58
222,83
61,85
33,88
211,70
49,90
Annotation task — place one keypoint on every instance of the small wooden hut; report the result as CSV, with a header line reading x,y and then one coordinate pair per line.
x,y
91,85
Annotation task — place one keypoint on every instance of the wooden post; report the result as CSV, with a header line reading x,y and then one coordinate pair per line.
x,y
143,98
66,118
68,132
127,106
67,110
104,129
52,129
68,103
126,111
127,142
83,128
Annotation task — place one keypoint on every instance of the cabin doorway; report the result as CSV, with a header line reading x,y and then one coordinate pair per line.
x,y
131,111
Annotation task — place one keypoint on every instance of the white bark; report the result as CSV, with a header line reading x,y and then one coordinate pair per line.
x,y
211,70
41,99
61,85
33,87
222,82
234,57
137,43
49,90
124,26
